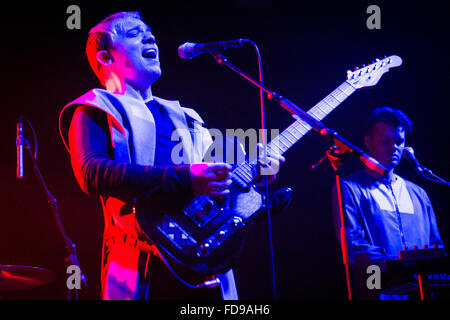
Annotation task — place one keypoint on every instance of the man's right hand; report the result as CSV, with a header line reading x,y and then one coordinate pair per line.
x,y
212,179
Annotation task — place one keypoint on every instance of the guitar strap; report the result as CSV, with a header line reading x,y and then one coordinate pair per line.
x,y
228,286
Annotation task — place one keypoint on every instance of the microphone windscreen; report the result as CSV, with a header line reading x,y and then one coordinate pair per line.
x,y
185,50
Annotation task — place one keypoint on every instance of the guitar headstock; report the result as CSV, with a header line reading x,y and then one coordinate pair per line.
x,y
369,75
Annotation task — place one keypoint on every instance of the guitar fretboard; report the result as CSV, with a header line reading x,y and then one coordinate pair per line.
x,y
245,172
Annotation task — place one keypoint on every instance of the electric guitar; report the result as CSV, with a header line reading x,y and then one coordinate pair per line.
x,y
207,234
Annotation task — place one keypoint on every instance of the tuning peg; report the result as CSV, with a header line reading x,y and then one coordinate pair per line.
x,y
363,66
356,69
350,74
382,62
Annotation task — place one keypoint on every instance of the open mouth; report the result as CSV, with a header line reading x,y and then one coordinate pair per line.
x,y
149,53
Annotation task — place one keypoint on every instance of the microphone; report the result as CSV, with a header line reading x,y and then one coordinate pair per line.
x,y
408,153
19,150
190,50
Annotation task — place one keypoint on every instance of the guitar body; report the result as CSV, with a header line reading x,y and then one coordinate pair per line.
x,y
206,235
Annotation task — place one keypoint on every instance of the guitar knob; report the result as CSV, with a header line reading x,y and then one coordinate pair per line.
x,y
221,235
236,223
203,250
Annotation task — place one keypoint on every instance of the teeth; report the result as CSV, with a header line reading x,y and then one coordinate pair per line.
x,y
149,53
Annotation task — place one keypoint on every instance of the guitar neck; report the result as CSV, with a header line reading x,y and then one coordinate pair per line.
x,y
281,143
286,139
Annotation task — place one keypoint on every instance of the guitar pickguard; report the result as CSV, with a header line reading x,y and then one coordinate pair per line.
x,y
247,203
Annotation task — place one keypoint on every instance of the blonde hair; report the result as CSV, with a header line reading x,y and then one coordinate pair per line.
x,y
100,38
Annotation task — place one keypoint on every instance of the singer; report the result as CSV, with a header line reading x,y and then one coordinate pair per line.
x,y
385,214
120,145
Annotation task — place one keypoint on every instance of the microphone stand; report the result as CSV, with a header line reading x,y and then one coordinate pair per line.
x,y
71,258
341,147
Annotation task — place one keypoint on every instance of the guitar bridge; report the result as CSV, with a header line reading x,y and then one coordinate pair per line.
x,y
220,236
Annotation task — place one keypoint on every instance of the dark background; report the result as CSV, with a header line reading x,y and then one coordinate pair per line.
x,y
306,50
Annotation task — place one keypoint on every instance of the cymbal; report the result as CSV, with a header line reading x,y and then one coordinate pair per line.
x,y
14,278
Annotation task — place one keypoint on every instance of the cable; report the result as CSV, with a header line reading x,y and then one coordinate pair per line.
x,y
207,283
266,177
433,178
240,174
